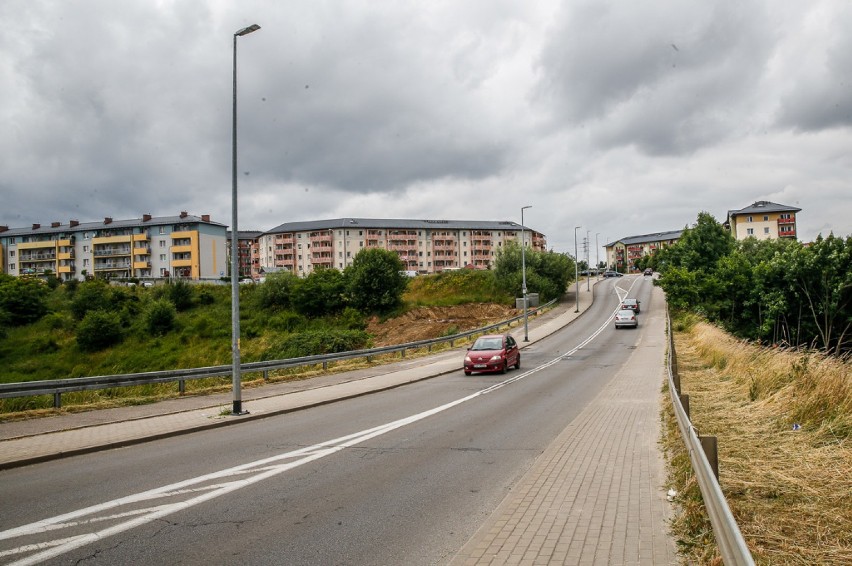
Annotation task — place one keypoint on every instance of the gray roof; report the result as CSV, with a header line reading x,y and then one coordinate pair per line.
x,y
762,206
101,225
646,238
390,223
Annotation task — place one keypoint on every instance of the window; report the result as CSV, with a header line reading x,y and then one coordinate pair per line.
x,y
85,262
765,218
750,231
162,243
766,230
11,253
750,219
12,266
162,229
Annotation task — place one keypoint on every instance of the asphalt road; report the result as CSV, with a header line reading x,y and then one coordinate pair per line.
x,y
404,476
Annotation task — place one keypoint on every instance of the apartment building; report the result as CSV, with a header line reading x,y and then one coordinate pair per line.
x,y
184,246
763,220
424,246
621,254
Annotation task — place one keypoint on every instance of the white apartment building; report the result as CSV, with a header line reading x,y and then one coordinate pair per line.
x,y
424,246
184,246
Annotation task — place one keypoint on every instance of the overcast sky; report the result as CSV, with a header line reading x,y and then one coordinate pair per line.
x,y
624,118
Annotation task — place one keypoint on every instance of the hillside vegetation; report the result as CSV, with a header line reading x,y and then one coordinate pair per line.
x,y
94,328
783,420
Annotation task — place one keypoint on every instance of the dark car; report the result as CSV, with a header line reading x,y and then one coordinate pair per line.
x,y
649,271
632,304
625,318
493,352
612,274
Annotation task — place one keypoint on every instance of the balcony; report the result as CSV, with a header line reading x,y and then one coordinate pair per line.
x,y
112,265
110,251
786,221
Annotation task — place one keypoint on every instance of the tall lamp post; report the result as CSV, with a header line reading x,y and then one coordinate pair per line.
x,y
597,257
235,260
524,273
588,259
576,272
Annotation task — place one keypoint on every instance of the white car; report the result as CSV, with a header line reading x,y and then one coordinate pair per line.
x,y
625,318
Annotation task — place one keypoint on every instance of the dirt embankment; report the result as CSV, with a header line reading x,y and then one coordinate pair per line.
x,y
431,322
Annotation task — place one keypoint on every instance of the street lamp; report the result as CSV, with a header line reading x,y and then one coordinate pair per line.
x,y
235,276
576,272
597,256
588,258
524,273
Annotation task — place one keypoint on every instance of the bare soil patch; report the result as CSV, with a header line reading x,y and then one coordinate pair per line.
x,y
422,323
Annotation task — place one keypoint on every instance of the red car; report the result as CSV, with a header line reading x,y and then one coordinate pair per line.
x,y
493,352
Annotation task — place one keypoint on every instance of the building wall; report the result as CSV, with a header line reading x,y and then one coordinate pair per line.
x,y
152,248
424,250
764,226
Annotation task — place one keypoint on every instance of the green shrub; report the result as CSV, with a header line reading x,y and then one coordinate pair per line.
x,y
286,321
160,317
180,294
24,299
315,342
98,330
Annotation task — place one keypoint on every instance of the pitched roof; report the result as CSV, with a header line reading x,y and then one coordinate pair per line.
x,y
646,238
389,223
762,206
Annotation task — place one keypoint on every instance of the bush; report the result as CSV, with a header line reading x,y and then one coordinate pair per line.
x,y
275,293
316,342
180,294
374,282
160,317
98,330
23,299
90,296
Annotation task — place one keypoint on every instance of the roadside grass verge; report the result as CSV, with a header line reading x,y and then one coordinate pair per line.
x,y
783,420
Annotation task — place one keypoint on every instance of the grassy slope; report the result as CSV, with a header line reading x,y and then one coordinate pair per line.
x,y
789,488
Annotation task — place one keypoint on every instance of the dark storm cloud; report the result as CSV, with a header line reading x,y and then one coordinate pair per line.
x,y
666,78
824,99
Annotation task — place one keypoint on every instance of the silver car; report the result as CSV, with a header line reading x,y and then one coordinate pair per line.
x,y
626,318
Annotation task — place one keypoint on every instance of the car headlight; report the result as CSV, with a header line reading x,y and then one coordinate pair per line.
x,y
496,358
467,359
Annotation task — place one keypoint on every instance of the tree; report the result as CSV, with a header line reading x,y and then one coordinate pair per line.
x,y
160,316
90,296
822,274
547,273
700,247
98,330
275,293
374,282
23,299
320,293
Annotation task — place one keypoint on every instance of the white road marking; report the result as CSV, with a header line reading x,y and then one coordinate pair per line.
x,y
238,476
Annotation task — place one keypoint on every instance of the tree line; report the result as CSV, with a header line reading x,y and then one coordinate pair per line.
x,y
777,291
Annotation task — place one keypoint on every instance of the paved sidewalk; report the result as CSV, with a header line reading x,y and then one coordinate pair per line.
x,y
595,496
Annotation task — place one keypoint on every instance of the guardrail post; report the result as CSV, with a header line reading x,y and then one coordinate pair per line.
x,y
57,400
684,402
402,353
674,365
676,379
711,450
324,366
266,375
181,386
430,348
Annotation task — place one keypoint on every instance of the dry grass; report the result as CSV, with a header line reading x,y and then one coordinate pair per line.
x,y
783,421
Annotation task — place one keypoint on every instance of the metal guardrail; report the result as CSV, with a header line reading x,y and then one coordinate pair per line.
x,y
57,387
730,540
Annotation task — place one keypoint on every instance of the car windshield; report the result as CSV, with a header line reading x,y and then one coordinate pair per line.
x,y
488,344
629,301
625,312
